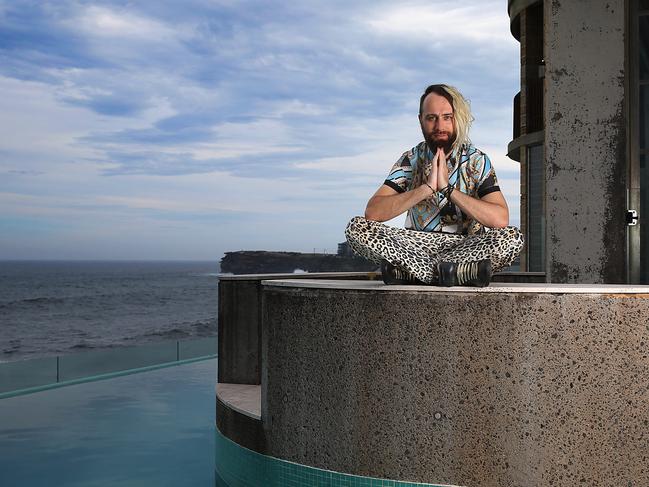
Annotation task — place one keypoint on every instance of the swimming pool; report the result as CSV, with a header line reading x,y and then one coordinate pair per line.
x,y
152,428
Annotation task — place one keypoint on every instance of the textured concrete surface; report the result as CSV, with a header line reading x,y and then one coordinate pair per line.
x,y
239,427
503,276
239,319
306,275
494,287
464,388
239,332
585,141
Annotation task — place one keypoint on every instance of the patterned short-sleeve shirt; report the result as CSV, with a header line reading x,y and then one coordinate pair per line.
x,y
470,171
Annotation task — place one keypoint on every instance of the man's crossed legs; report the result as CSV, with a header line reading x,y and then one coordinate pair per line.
x,y
420,253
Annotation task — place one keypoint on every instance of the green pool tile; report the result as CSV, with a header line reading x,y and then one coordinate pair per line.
x,y
240,467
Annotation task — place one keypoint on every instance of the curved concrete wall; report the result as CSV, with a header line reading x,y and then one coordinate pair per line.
x,y
239,341
477,387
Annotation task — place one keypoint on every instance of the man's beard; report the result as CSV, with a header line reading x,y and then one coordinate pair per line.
x,y
433,140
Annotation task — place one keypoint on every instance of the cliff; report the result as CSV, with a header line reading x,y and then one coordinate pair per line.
x,y
263,262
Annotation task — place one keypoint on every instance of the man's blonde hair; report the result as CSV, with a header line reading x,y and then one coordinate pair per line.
x,y
462,118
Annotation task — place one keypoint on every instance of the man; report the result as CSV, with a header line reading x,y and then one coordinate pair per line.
x,y
451,194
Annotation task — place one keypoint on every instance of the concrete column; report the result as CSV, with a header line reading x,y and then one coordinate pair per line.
x,y
585,141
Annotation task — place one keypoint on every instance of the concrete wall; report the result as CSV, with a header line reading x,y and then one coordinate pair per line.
x,y
240,428
585,141
463,388
239,321
239,331
239,318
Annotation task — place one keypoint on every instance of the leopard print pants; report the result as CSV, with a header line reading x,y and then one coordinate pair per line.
x,y
420,252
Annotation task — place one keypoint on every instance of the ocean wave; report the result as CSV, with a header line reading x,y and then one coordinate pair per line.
x,y
77,340
84,345
14,346
90,299
32,301
180,330
171,333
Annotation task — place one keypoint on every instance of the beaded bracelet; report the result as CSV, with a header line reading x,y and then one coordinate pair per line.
x,y
447,191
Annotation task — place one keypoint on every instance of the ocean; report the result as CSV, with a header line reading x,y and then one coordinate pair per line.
x,y
61,307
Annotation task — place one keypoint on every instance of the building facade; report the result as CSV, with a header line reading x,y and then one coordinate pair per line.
x,y
581,134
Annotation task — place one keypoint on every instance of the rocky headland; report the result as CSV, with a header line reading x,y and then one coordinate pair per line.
x,y
266,262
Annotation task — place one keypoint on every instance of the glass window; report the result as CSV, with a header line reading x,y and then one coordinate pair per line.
x,y
640,43
643,46
536,209
644,117
644,221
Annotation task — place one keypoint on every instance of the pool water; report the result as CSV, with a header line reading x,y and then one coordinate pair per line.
x,y
153,428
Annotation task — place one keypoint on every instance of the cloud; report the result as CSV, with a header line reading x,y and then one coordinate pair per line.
x,y
260,120
439,27
119,23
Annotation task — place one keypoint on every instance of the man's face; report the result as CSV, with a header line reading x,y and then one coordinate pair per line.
x,y
436,122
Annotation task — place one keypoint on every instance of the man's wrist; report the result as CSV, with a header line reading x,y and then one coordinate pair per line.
x,y
448,191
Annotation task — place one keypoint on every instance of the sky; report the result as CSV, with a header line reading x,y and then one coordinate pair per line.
x,y
183,130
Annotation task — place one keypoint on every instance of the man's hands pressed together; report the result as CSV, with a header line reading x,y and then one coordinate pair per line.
x,y
438,178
